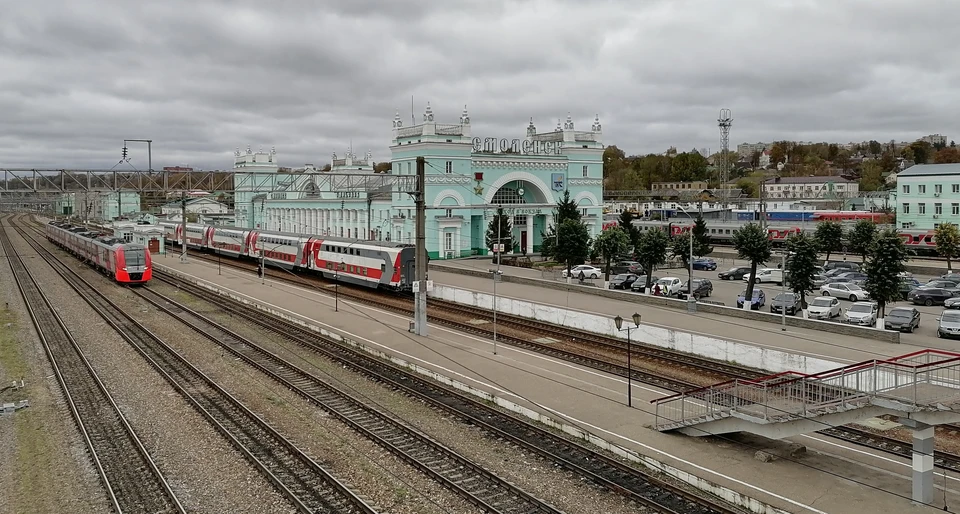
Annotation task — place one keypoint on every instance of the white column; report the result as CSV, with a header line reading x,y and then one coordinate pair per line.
x,y
923,443
529,233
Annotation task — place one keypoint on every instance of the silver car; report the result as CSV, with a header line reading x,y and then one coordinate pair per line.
x,y
952,303
862,313
948,324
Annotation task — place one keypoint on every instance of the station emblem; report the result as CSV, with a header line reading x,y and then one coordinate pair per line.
x,y
557,181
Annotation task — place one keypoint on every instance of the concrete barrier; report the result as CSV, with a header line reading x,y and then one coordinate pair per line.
x,y
774,361
917,269
886,336
735,497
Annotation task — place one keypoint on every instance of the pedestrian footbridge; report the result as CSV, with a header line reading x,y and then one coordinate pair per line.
x,y
921,388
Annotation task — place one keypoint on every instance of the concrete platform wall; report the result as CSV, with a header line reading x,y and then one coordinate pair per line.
x,y
887,336
774,361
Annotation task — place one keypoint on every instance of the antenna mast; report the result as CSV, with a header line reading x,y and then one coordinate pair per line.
x,y
724,122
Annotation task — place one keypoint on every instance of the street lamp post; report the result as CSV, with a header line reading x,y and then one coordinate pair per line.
x,y
690,258
618,322
336,287
218,258
783,290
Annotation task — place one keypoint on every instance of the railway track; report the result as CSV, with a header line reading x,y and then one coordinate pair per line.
x,y
644,488
131,479
723,370
298,477
477,485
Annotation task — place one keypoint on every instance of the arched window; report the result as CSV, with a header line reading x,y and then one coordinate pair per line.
x,y
507,195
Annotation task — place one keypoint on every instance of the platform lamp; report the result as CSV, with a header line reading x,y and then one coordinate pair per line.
x,y
336,286
618,322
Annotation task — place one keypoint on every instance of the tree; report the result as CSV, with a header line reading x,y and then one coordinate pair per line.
x,y
632,231
610,244
701,239
614,160
500,231
875,147
947,238
861,238
829,236
922,151
947,155
689,166
574,243
888,257
566,209
802,266
748,187
382,167
753,245
652,252
871,176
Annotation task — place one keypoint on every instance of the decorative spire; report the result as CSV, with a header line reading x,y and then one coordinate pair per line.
x,y
334,155
596,124
237,152
428,113
273,150
531,128
248,150
558,125
397,123
464,117
569,124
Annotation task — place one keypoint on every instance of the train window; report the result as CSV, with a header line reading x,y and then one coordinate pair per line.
x,y
383,268
364,270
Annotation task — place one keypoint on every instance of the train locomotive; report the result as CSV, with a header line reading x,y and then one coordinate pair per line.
x,y
373,264
124,262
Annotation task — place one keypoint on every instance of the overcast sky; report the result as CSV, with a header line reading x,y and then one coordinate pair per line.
x,y
202,78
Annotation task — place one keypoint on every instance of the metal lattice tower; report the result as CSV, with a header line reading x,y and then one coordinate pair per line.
x,y
724,122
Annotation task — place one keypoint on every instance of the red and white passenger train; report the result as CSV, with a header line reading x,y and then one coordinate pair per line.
x,y
126,263
375,264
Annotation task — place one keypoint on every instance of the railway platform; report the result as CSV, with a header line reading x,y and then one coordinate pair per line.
x,y
833,478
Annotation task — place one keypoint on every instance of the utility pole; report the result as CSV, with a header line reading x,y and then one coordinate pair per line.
x,y
420,260
183,226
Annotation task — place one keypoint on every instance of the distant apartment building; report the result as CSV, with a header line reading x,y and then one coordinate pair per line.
x,y
934,139
810,187
746,150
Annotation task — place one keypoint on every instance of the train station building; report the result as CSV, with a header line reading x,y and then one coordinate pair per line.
x,y
467,178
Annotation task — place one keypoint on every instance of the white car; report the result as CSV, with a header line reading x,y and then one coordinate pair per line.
x,y
847,290
587,270
952,303
824,307
765,275
862,313
669,286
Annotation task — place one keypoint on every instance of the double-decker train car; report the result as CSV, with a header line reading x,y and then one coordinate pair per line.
x,y
126,263
374,264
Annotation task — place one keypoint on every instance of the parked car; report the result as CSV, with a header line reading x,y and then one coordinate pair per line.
x,y
734,273
787,302
587,270
851,276
948,324
623,281
702,288
852,292
640,284
929,296
773,275
704,264
951,276
759,299
907,285
862,313
622,267
941,283
823,307
952,303
902,319
669,286
849,266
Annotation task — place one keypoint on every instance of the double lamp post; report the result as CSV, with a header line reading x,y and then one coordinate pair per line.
x,y
618,322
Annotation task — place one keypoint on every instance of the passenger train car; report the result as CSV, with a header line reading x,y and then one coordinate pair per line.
x,y
375,264
124,262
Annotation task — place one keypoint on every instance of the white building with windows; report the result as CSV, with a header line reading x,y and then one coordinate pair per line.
x,y
202,205
810,188
928,195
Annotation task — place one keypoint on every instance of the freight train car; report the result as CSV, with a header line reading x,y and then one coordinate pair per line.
x,y
124,262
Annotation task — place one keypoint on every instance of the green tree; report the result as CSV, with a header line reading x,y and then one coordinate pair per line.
x,y
829,237
652,252
802,266
888,257
875,147
688,166
680,249
610,244
748,187
626,224
871,176
614,160
922,151
574,243
701,239
499,230
947,238
752,245
861,238
566,209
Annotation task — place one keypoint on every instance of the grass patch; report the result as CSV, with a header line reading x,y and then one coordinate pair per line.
x,y
12,363
36,461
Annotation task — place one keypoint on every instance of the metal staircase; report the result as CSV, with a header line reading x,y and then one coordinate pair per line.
x,y
923,385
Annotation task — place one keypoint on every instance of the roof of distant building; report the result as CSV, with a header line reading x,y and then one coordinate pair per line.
x,y
806,180
921,170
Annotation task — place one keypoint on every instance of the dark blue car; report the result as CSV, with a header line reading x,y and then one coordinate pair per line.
x,y
759,299
705,264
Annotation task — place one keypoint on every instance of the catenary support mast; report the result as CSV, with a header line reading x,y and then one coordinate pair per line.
x,y
420,260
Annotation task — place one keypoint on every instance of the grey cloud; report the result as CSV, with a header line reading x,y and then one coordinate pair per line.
x,y
203,77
